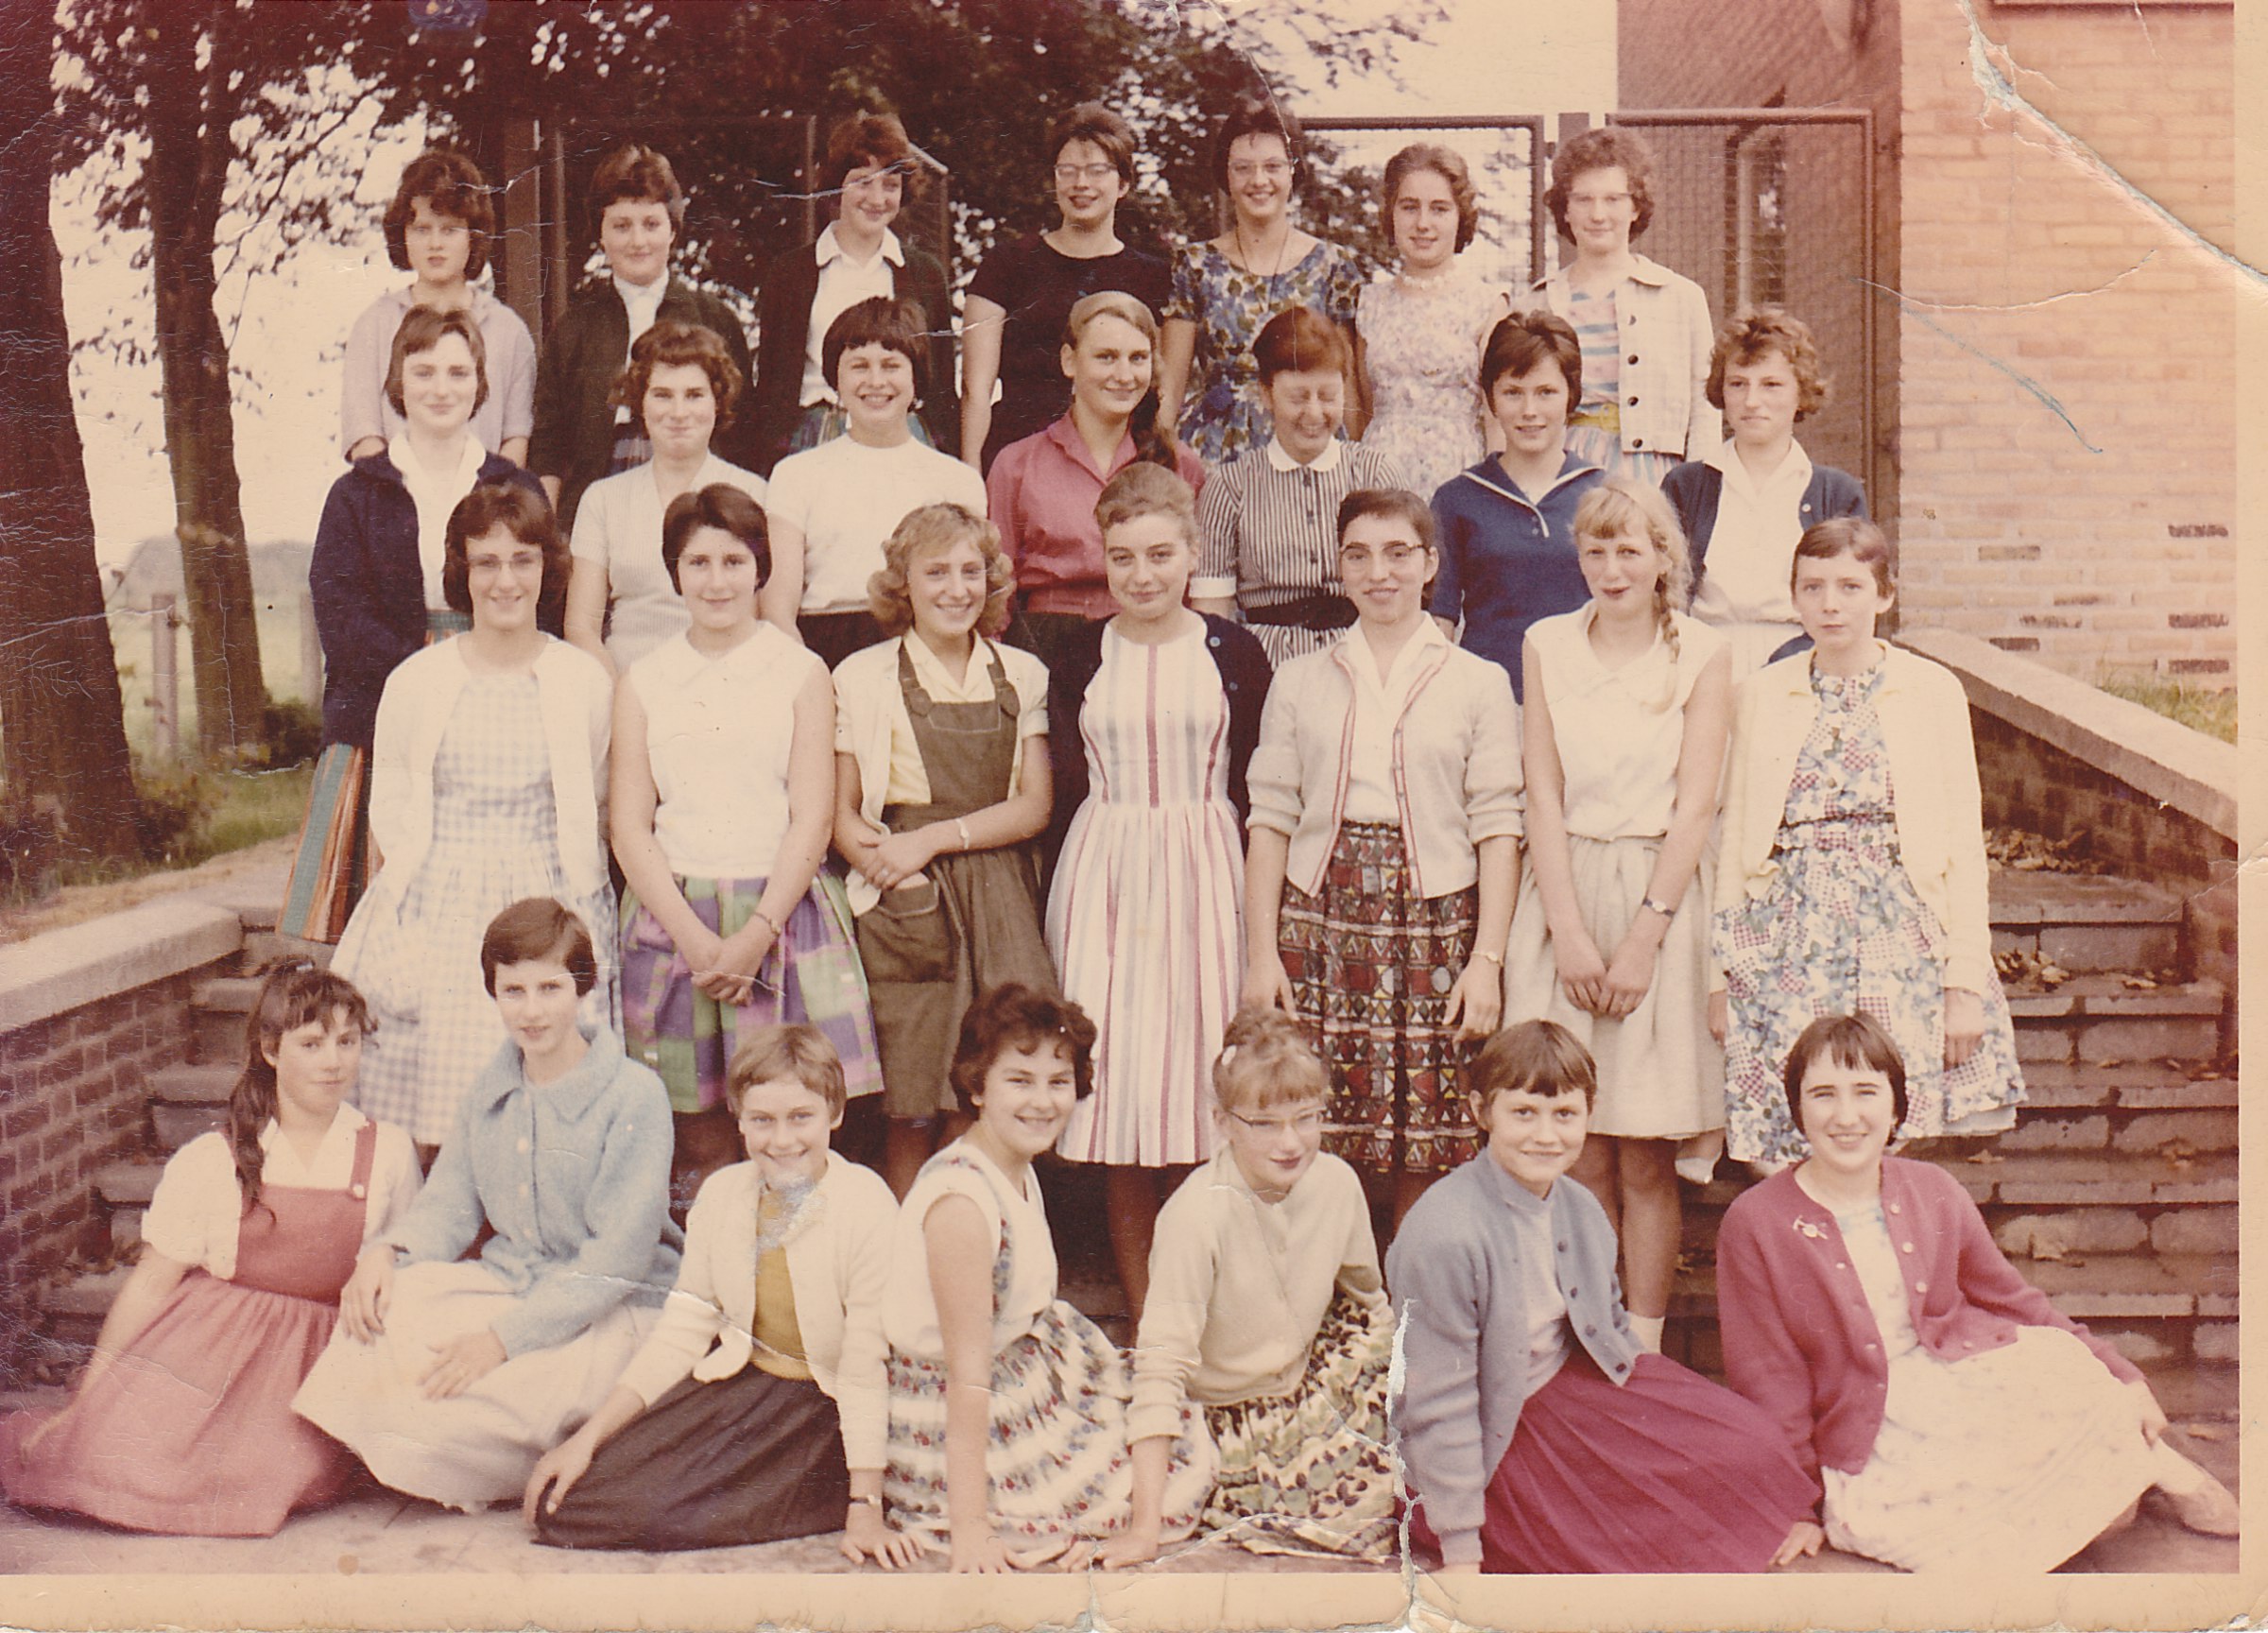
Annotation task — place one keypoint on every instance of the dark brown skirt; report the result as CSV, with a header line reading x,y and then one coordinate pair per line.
x,y
748,1458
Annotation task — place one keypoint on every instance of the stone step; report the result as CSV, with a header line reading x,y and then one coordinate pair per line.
x,y
221,1008
2094,1020
2086,923
72,1312
125,1189
186,1101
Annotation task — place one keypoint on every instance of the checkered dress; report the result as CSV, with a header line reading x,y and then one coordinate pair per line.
x,y
495,840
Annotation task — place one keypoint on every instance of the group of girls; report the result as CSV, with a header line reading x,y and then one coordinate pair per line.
x,y
1180,835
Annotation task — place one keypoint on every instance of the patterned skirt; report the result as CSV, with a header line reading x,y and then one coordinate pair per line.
x,y
2011,1460
812,975
1371,966
1056,1456
1841,930
1314,1471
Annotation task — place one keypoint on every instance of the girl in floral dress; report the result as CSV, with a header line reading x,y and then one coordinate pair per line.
x,y
1420,333
1851,873
1227,288
1007,1435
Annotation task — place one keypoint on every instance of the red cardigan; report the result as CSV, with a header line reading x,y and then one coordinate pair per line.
x,y
1799,1338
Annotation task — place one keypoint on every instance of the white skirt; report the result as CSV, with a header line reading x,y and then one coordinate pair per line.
x,y
1661,1076
2009,1461
479,1447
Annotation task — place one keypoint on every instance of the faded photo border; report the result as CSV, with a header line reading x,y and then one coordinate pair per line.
x,y
872,1599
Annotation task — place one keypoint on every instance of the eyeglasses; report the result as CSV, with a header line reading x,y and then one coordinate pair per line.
x,y
1084,172
1305,1124
520,561
1245,169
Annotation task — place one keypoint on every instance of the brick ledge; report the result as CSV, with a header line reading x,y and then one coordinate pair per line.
x,y
79,964
2163,759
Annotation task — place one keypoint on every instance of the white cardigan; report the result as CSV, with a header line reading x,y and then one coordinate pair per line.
x,y
1932,776
421,695
838,1263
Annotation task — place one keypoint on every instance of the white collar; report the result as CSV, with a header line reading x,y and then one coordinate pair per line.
x,y
636,295
1428,634
826,248
1322,464
1727,460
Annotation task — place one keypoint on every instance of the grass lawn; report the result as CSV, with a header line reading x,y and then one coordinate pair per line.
x,y
2207,709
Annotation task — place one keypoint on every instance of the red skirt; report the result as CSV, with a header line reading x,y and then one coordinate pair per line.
x,y
190,1431
1667,1473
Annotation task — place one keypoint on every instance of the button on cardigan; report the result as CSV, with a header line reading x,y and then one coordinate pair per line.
x,y
574,1177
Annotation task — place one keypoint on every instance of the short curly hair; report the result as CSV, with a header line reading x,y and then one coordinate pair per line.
x,y
1749,336
788,1049
1446,162
634,172
423,329
450,185
1606,147
529,515
925,532
672,344
1267,1060
1096,123
1146,489
1257,118
870,142
1299,339
539,928
1015,1016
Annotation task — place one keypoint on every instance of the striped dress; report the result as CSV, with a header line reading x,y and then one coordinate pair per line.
x,y
1271,534
1595,430
1145,921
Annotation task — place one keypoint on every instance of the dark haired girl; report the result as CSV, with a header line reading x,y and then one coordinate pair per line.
x,y
182,1422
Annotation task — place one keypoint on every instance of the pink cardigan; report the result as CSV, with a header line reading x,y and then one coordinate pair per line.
x,y
1799,1338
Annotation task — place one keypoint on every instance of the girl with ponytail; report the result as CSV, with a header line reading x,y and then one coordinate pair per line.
x,y
1628,704
1042,491
182,1422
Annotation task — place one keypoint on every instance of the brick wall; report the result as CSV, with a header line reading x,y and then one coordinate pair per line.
x,y
2068,357
72,1102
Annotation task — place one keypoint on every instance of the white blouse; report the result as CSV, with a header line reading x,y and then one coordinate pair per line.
x,y
719,732
1619,731
909,1307
1379,700
194,1216
436,494
618,527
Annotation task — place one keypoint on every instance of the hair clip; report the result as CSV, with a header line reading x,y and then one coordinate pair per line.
x,y
1228,1054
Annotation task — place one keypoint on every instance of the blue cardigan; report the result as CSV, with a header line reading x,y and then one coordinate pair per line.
x,y
575,1178
1693,489
1454,1273
369,587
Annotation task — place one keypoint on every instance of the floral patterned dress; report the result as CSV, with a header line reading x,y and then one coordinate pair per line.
x,y
1421,346
1222,414
1842,929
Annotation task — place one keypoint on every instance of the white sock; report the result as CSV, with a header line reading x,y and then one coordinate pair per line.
x,y
2176,1475
1648,1329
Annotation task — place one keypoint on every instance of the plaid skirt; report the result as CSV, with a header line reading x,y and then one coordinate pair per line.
x,y
1056,1458
1371,966
1314,1471
812,975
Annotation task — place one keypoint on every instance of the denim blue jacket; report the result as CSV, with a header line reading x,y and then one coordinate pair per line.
x,y
575,1178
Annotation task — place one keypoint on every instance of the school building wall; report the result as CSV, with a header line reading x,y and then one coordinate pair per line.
x,y
2062,323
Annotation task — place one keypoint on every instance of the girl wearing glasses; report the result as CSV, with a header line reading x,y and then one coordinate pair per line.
x,y
1022,294
1224,290
1646,331
1267,1310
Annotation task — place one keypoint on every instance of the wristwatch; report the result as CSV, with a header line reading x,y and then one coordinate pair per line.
x,y
1662,908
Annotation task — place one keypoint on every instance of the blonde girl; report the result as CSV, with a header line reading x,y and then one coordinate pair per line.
x,y
1628,702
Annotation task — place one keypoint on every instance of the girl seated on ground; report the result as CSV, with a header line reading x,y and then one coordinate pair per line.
x,y
1952,1417
182,1422
1007,1439
1538,1434
1266,1309
756,1411
451,1377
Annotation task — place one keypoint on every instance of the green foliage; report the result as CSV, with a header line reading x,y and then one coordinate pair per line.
x,y
2207,709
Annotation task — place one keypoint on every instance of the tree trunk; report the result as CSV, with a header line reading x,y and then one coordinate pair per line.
x,y
62,732
190,111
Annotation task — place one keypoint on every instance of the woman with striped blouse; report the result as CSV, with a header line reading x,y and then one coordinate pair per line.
x,y
1270,519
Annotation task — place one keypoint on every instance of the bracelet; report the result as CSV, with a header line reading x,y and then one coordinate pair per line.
x,y
961,824
758,914
872,1501
1495,959
1666,912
